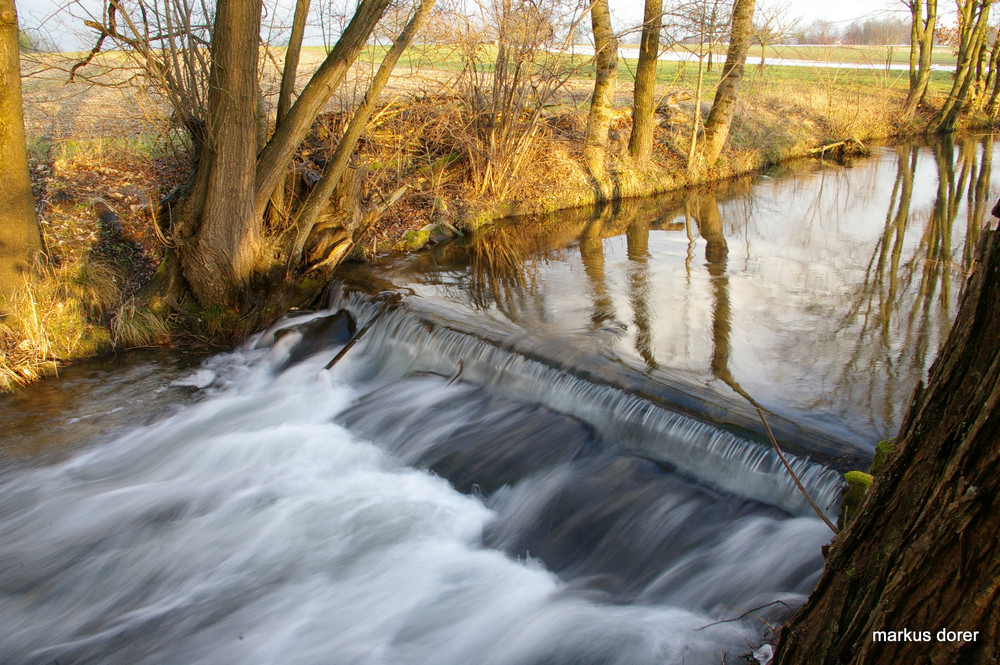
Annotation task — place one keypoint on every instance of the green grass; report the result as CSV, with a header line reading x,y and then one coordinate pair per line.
x,y
147,144
685,74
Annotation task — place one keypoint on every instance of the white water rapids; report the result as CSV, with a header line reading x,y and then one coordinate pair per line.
x,y
251,527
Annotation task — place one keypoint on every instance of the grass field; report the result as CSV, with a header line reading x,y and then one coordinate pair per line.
x,y
825,74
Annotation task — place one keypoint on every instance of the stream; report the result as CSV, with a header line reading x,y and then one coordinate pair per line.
x,y
542,449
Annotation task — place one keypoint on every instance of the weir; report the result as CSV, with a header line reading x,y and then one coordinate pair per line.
x,y
408,340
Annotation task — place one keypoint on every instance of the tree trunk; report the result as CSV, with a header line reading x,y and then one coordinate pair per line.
x,y
599,118
993,82
640,143
337,165
924,22
20,239
291,65
720,118
220,257
280,149
921,554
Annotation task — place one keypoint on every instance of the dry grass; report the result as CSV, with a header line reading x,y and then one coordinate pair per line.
x,y
56,316
134,325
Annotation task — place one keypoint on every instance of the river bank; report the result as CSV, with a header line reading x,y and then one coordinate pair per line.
x,y
97,192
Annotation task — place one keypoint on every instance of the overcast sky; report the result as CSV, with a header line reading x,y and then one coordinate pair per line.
x,y
64,30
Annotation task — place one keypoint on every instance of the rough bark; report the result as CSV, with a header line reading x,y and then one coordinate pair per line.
x,y
921,553
220,256
923,17
974,25
640,143
278,153
720,118
20,239
605,78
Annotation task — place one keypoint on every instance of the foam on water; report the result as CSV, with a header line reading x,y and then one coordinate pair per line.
x,y
252,527
401,344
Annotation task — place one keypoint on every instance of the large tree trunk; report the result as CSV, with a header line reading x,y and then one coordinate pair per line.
x,y
720,118
20,239
921,553
640,142
606,75
219,259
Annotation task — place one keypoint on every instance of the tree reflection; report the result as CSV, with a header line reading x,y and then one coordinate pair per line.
x,y
716,259
906,302
592,254
637,238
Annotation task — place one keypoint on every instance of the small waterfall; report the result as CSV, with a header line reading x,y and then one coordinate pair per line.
x,y
251,527
407,340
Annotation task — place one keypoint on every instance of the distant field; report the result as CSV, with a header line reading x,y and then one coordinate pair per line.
x,y
685,74
55,108
899,55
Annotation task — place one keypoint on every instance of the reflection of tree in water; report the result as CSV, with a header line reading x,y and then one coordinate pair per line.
x,y
906,303
637,237
592,254
503,265
716,259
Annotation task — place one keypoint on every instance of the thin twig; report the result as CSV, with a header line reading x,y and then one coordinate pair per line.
x,y
795,478
750,611
458,373
357,336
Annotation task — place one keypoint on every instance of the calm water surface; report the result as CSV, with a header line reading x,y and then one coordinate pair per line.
x,y
545,452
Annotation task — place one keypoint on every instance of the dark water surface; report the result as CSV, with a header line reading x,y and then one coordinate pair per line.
x,y
543,454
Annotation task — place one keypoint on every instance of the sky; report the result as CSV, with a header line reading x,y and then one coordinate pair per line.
x,y
64,29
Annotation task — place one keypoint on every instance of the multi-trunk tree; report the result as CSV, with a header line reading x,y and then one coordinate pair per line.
x,y
239,240
20,239
973,30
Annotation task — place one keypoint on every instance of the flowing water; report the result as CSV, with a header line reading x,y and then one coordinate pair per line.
x,y
540,451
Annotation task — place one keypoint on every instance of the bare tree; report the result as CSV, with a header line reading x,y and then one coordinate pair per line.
x,y
20,239
226,249
513,56
973,26
772,24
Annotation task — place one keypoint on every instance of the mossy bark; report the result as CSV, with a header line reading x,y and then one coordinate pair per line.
x,y
640,142
921,550
20,239
602,101
720,118
220,256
